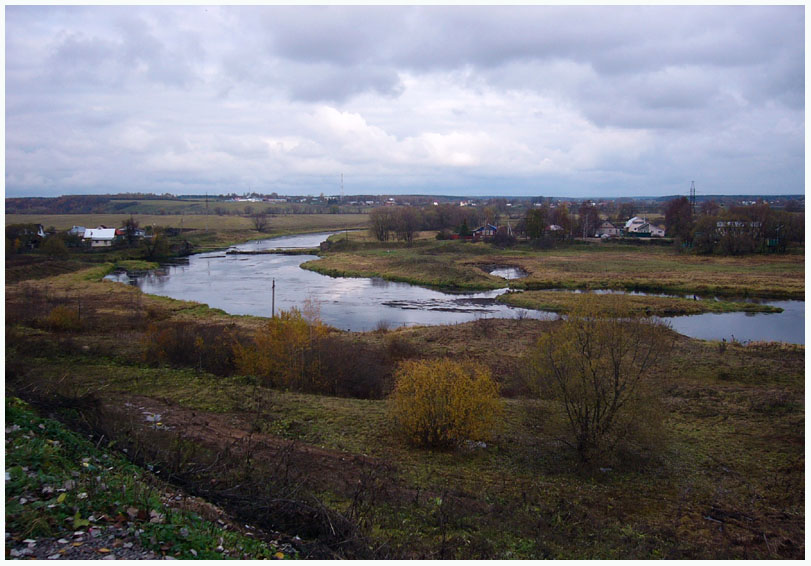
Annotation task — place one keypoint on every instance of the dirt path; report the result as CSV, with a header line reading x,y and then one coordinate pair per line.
x,y
221,431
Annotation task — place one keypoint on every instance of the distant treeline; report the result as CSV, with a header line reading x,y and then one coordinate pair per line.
x,y
76,204
79,204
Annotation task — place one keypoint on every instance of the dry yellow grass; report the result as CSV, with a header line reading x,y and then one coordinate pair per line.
x,y
281,223
466,265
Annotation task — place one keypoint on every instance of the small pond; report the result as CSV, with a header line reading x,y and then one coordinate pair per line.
x,y
508,272
242,284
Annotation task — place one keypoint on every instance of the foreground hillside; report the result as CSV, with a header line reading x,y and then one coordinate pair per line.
x,y
68,498
723,479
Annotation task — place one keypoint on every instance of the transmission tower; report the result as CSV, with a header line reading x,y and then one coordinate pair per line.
x,y
693,197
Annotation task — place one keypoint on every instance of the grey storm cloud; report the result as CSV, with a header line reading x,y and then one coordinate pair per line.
x,y
538,99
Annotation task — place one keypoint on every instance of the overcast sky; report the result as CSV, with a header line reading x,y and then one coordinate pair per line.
x,y
533,100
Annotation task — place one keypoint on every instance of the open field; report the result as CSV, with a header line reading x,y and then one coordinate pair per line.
x,y
205,232
599,266
284,223
726,481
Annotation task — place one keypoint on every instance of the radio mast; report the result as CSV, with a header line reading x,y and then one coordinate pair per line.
x,y
693,197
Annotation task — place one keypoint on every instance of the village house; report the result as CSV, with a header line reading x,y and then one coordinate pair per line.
x,y
608,230
100,237
138,233
485,232
641,227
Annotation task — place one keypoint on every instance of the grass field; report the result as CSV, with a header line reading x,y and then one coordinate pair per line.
x,y
284,223
205,232
600,266
726,479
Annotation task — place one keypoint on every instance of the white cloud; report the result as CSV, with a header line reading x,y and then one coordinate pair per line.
x,y
639,100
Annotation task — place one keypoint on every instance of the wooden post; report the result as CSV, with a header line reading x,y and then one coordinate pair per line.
x,y
273,301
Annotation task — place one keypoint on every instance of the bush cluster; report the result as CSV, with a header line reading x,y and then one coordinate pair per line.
x,y
187,344
63,318
442,403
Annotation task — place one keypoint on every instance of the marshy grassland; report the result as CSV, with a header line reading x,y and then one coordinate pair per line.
x,y
604,265
723,475
642,305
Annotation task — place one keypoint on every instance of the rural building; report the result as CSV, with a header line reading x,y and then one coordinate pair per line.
x,y
607,229
77,231
138,232
485,232
657,232
723,226
641,227
100,237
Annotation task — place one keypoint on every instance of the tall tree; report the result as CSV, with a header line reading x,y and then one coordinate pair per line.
x,y
560,216
406,221
709,208
260,221
380,223
626,211
588,219
157,245
130,230
536,221
679,218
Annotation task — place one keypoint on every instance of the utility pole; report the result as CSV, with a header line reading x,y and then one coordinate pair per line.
x,y
273,301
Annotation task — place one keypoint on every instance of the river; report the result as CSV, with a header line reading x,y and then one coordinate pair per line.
x,y
242,284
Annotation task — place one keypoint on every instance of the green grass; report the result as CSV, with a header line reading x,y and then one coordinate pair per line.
x,y
58,482
136,265
563,302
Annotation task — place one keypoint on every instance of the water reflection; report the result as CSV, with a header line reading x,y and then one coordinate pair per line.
x,y
509,272
788,326
242,285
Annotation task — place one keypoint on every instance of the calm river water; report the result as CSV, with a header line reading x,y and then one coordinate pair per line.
x,y
241,284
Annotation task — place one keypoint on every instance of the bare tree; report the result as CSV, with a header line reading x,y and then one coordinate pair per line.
x,y
406,222
156,245
381,223
261,222
598,364
131,230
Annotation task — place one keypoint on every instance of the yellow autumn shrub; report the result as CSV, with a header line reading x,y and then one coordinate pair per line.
x,y
283,353
64,318
441,403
